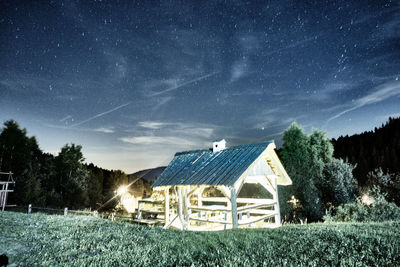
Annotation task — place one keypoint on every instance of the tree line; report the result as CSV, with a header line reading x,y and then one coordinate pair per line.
x,y
376,157
322,176
59,181
371,150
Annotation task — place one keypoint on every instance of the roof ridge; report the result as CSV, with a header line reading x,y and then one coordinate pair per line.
x,y
191,151
263,143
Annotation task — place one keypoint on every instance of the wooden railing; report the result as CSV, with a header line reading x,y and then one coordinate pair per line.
x,y
249,211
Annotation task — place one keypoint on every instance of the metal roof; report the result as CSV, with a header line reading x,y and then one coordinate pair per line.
x,y
210,168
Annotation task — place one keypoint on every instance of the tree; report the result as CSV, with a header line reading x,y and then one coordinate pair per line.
x,y
340,186
389,184
20,154
95,186
319,180
297,157
71,177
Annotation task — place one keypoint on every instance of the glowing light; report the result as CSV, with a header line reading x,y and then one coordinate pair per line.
x,y
129,202
122,190
367,200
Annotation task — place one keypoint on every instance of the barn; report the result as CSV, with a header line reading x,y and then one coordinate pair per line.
x,y
220,188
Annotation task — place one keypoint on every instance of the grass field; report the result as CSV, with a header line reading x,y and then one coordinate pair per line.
x,y
39,239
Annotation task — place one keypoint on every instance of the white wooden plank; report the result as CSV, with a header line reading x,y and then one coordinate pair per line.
x,y
255,219
253,206
206,220
255,200
166,208
209,208
234,208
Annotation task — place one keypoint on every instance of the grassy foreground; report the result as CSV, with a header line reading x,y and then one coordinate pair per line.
x,y
39,239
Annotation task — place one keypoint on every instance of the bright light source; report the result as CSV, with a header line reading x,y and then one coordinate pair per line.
x,y
122,190
367,200
129,202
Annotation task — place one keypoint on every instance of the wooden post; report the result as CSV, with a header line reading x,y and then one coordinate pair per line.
x,y
95,213
139,212
225,219
29,208
199,198
199,215
186,210
234,208
166,209
113,216
276,199
5,197
65,211
180,207
1,194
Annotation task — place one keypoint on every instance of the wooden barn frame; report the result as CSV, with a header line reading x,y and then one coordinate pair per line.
x,y
5,188
184,205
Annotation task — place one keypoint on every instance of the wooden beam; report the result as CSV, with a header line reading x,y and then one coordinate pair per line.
x,y
180,207
215,199
238,185
238,200
259,212
276,199
209,208
263,181
4,200
225,191
186,206
167,226
255,200
7,182
253,206
255,219
149,200
199,198
166,208
234,208
209,220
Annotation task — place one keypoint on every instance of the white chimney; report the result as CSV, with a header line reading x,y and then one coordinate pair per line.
x,y
219,145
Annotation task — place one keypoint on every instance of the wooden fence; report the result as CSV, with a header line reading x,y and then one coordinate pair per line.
x,y
113,216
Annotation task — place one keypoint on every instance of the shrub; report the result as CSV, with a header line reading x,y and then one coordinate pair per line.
x,y
379,210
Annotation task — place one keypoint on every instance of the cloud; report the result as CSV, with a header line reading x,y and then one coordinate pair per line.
x,y
177,86
381,93
117,65
180,128
152,124
104,130
294,44
249,43
270,123
177,134
330,89
66,118
239,69
386,117
391,29
162,140
161,101
101,114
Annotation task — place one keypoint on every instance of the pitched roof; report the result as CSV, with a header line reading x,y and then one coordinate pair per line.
x,y
210,168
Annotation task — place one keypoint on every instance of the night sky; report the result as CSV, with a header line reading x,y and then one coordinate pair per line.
x,y
135,82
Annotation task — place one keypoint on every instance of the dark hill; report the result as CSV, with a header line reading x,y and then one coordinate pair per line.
x,y
149,175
